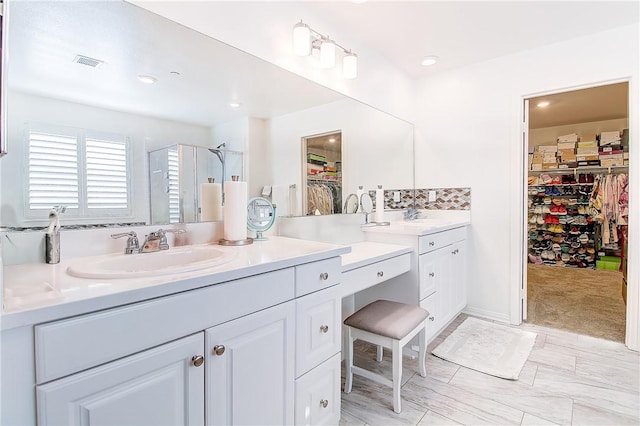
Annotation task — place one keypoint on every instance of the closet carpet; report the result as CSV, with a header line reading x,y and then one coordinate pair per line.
x,y
583,301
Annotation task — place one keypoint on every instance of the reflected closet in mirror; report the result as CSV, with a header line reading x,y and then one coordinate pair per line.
x,y
322,156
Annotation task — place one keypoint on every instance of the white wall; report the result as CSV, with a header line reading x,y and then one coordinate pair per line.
x,y
548,135
146,133
264,29
469,134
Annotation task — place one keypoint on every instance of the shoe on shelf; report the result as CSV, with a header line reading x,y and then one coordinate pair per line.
x,y
556,180
554,209
546,179
582,178
540,220
547,200
562,210
590,178
555,191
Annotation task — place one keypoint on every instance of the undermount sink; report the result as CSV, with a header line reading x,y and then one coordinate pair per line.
x,y
172,261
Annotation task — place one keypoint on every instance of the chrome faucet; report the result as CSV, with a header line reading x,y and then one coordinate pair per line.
x,y
157,240
411,214
132,242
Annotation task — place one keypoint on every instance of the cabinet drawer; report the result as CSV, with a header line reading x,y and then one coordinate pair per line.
x,y
318,330
315,276
427,243
67,346
318,395
431,304
369,275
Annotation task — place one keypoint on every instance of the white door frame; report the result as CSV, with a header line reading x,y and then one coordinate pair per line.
x,y
518,288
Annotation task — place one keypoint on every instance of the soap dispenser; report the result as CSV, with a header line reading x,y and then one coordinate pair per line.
x,y
52,237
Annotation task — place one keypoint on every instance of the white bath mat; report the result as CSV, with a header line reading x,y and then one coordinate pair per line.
x,y
487,347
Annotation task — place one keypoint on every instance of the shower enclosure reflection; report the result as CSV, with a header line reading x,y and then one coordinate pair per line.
x,y
176,173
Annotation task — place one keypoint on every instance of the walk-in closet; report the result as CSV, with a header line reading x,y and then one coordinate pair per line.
x,y
578,207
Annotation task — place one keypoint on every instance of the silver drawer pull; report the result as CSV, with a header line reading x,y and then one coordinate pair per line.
x,y
432,274
324,328
324,276
380,274
432,318
197,360
432,243
218,349
324,403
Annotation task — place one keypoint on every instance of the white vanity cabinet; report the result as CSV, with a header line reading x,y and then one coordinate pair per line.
x,y
437,280
260,349
160,386
443,289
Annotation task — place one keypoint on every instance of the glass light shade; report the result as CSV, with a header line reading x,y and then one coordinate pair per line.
x,y
301,39
350,66
327,54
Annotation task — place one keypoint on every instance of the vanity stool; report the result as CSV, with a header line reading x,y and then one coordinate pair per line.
x,y
392,325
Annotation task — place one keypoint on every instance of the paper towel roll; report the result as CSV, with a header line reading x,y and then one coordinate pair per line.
x,y
378,215
210,202
235,210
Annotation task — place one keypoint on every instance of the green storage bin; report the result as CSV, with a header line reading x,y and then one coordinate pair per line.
x,y
606,265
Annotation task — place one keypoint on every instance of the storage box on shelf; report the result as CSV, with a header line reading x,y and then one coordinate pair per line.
x,y
561,231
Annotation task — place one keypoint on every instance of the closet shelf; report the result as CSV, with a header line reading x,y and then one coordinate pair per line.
x,y
589,169
562,184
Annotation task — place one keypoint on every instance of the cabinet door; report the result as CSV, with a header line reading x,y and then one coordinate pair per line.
x,y
250,368
459,276
160,386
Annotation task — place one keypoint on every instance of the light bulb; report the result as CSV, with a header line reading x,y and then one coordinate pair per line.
x,y
350,66
327,53
429,60
301,39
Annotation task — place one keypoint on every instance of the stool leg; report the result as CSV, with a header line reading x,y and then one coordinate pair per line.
x,y
422,338
379,353
349,362
397,374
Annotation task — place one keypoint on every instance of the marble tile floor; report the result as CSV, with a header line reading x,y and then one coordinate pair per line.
x,y
568,379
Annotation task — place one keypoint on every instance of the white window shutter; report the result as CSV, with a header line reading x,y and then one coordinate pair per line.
x,y
53,171
173,160
106,174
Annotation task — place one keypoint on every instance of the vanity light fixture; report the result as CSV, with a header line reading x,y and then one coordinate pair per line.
x,y
543,104
429,60
147,79
305,39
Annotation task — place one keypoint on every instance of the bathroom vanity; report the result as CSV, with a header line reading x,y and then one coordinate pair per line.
x,y
255,339
437,278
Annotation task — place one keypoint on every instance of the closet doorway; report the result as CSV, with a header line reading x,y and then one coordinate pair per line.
x,y
322,173
577,145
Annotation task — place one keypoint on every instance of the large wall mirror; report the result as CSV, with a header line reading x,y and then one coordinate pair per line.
x,y
93,87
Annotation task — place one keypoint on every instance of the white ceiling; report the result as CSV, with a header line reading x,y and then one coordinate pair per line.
x,y
463,32
45,37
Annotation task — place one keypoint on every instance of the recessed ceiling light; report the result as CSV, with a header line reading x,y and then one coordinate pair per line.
x,y
543,104
358,1
147,79
234,104
429,60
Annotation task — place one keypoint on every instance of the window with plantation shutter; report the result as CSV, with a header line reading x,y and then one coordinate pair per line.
x,y
174,185
106,174
53,171
86,171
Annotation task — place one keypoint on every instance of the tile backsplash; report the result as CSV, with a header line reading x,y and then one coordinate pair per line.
x,y
446,199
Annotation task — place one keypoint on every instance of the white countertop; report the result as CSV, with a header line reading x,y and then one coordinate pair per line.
x,y
43,292
420,226
366,253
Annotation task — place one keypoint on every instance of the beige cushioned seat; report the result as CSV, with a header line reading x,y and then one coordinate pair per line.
x,y
387,318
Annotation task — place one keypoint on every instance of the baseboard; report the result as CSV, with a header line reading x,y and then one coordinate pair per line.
x,y
490,315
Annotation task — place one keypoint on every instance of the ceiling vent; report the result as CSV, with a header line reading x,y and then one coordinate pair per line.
x,y
90,62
